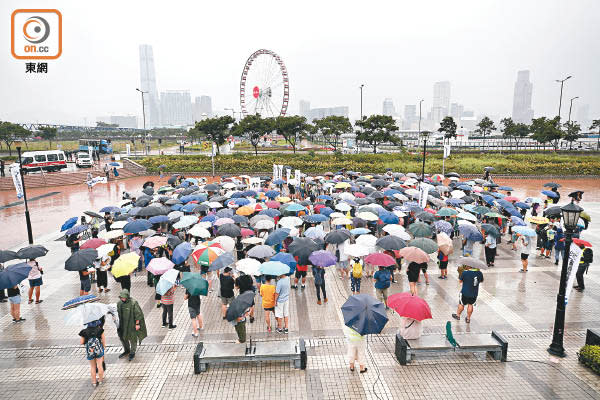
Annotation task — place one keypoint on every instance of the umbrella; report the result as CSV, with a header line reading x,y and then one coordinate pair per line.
x,y
365,314
414,254
380,259
322,258
445,243
230,230
167,281
467,216
92,214
337,236
181,252
158,219
552,211
538,220
420,229
275,268
240,305
86,313
227,243
425,216
471,262
93,243
81,260
222,261
550,194
409,306
355,231
585,216
443,226
185,221
250,266
517,221
223,221
481,209
552,185
425,244
285,258
470,232
356,250
77,301
195,284
290,222
199,231
491,229
277,236
12,275
315,218
125,264
77,229
7,255
159,265
390,242
580,242
264,224
261,251
524,231
105,249
446,212
137,226
112,234
367,216
69,224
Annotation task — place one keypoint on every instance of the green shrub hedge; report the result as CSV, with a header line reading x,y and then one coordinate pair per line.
x,y
590,356
525,164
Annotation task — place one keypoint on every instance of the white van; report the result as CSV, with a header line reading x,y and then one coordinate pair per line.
x,y
48,160
84,160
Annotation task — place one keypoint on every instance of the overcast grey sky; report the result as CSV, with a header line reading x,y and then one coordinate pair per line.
x,y
398,49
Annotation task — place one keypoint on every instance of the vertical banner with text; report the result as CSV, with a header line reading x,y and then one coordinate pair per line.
x,y
574,258
16,175
423,194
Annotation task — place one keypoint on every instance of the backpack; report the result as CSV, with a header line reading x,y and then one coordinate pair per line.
x,y
94,347
357,270
70,240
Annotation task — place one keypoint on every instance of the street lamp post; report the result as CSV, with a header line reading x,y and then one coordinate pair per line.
x,y
361,113
419,135
27,218
570,214
562,82
425,136
232,111
571,107
143,114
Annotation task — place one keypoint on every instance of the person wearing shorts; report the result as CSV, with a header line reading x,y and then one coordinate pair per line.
x,y
470,279
301,271
267,292
226,294
413,271
443,259
85,284
423,267
194,304
282,303
525,251
14,298
382,280
35,281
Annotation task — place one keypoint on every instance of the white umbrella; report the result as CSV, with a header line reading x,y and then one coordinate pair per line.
x,y
368,216
315,232
342,221
457,194
118,225
173,215
199,231
346,196
105,249
112,234
399,214
264,224
253,240
411,192
290,222
229,185
214,204
356,250
366,240
400,196
454,178
467,216
86,313
227,243
410,182
249,266
336,214
204,224
343,207
465,222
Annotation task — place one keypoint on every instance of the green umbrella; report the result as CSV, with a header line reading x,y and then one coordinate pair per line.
x,y
481,210
165,189
427,245
420,229
491,230
494,215
195,284
446,212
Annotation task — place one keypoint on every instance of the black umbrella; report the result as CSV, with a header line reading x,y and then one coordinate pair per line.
x,y
31,252
240,305
491,185
149,183
302,247
7,255
379,183
92,214
577,195
150,211
149,190
211,187
390,242
171,202
552,211
239,219
491,229
218,199
230,230
359,222
452,174
467,199
376,195
337,236
552,185
200,208
367,190
489,168
142,202
81,260
173,241
122,217
362,201
425,216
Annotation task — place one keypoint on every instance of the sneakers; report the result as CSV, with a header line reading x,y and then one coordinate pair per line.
x,y
279,330
172,326
131,356
325,299
165,325
251,320
294,286
123,354
556,262
194,334
285,330
319,302
303,287
456,317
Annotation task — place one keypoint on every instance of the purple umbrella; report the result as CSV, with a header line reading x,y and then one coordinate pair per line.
x,y
322,258
443,226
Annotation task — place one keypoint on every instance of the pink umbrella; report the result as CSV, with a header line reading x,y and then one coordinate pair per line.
x,y
380,259
409,306
273,204
360,195
155,241
247,232
511,198
222,221
414,254
159,266
92,243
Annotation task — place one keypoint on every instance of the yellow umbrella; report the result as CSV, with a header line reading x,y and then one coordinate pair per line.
x,y
245,210
585,216
538,220
342,185
283,199
125,264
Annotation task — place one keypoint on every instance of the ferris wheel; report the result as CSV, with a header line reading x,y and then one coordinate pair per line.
x,y
264,86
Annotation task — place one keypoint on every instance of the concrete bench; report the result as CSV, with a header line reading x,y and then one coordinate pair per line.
x,y
287,350
495,345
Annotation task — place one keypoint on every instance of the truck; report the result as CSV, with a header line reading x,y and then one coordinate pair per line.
x,y
83,160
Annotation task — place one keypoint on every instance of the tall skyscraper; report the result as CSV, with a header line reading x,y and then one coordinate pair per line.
x,y
456,112
388,107
441,101
148,84
522,111
176,108
318,113
410,116
304,109
202,107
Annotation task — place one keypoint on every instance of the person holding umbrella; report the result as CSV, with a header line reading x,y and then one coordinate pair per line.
x,y
237,312
587,257
132,326
102,265
470,279
35,280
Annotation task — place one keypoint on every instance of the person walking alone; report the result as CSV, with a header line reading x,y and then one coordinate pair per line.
x,y
132,326
319,275
282,303
470,280
490,250
35,281
194,303
95,343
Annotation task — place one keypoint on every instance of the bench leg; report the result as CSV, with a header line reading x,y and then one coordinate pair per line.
x,y
401,349
297,363
203,367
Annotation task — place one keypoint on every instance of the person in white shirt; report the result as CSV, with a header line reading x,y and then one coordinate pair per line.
x,y
410,328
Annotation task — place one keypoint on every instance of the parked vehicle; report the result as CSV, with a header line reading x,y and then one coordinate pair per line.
x,y
84,160
47,160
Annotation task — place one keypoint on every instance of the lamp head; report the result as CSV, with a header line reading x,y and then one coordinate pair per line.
x,y
570,214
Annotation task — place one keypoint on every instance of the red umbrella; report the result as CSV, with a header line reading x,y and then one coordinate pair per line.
x,y
409,306
317,207
360,195
273,204
247,232
430,210
578,242
380,259
92,243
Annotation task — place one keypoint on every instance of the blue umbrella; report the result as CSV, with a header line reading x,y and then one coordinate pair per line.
x,y
68,224
522,205
365,314
315,218
114,164
240,219
277,236
271,212
274,268
464,187
505,188
158,219
12,275
271,194
167,281
110,209
278,182
295,207
443,226
470,232
505,203
209,218
454,202
513,211
77,229
524,230
241,201
326,211
497,195
285,258
325,197
236,195
225,213
488,199
224,260
176,207
389,218
550,194
360,231
137,226
390,192
249,193
517,221
181,253
189,207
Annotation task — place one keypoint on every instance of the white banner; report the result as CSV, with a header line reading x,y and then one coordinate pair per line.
x,y
98,179
280,172
288,174
255,183
574,258
275,171
16,175
297,177
423,194
447,149
128,149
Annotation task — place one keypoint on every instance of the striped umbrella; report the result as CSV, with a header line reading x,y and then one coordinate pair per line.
x,y
204,254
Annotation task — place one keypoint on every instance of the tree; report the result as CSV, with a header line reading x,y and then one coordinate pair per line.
x,y
101,124
332,128
254,128
293,128
596,125
448,127
547,131
377,129
514,131
572,134
485,127
9,133
214,129
48,133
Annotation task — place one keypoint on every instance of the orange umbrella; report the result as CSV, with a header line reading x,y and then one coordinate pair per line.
x,y
245,210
